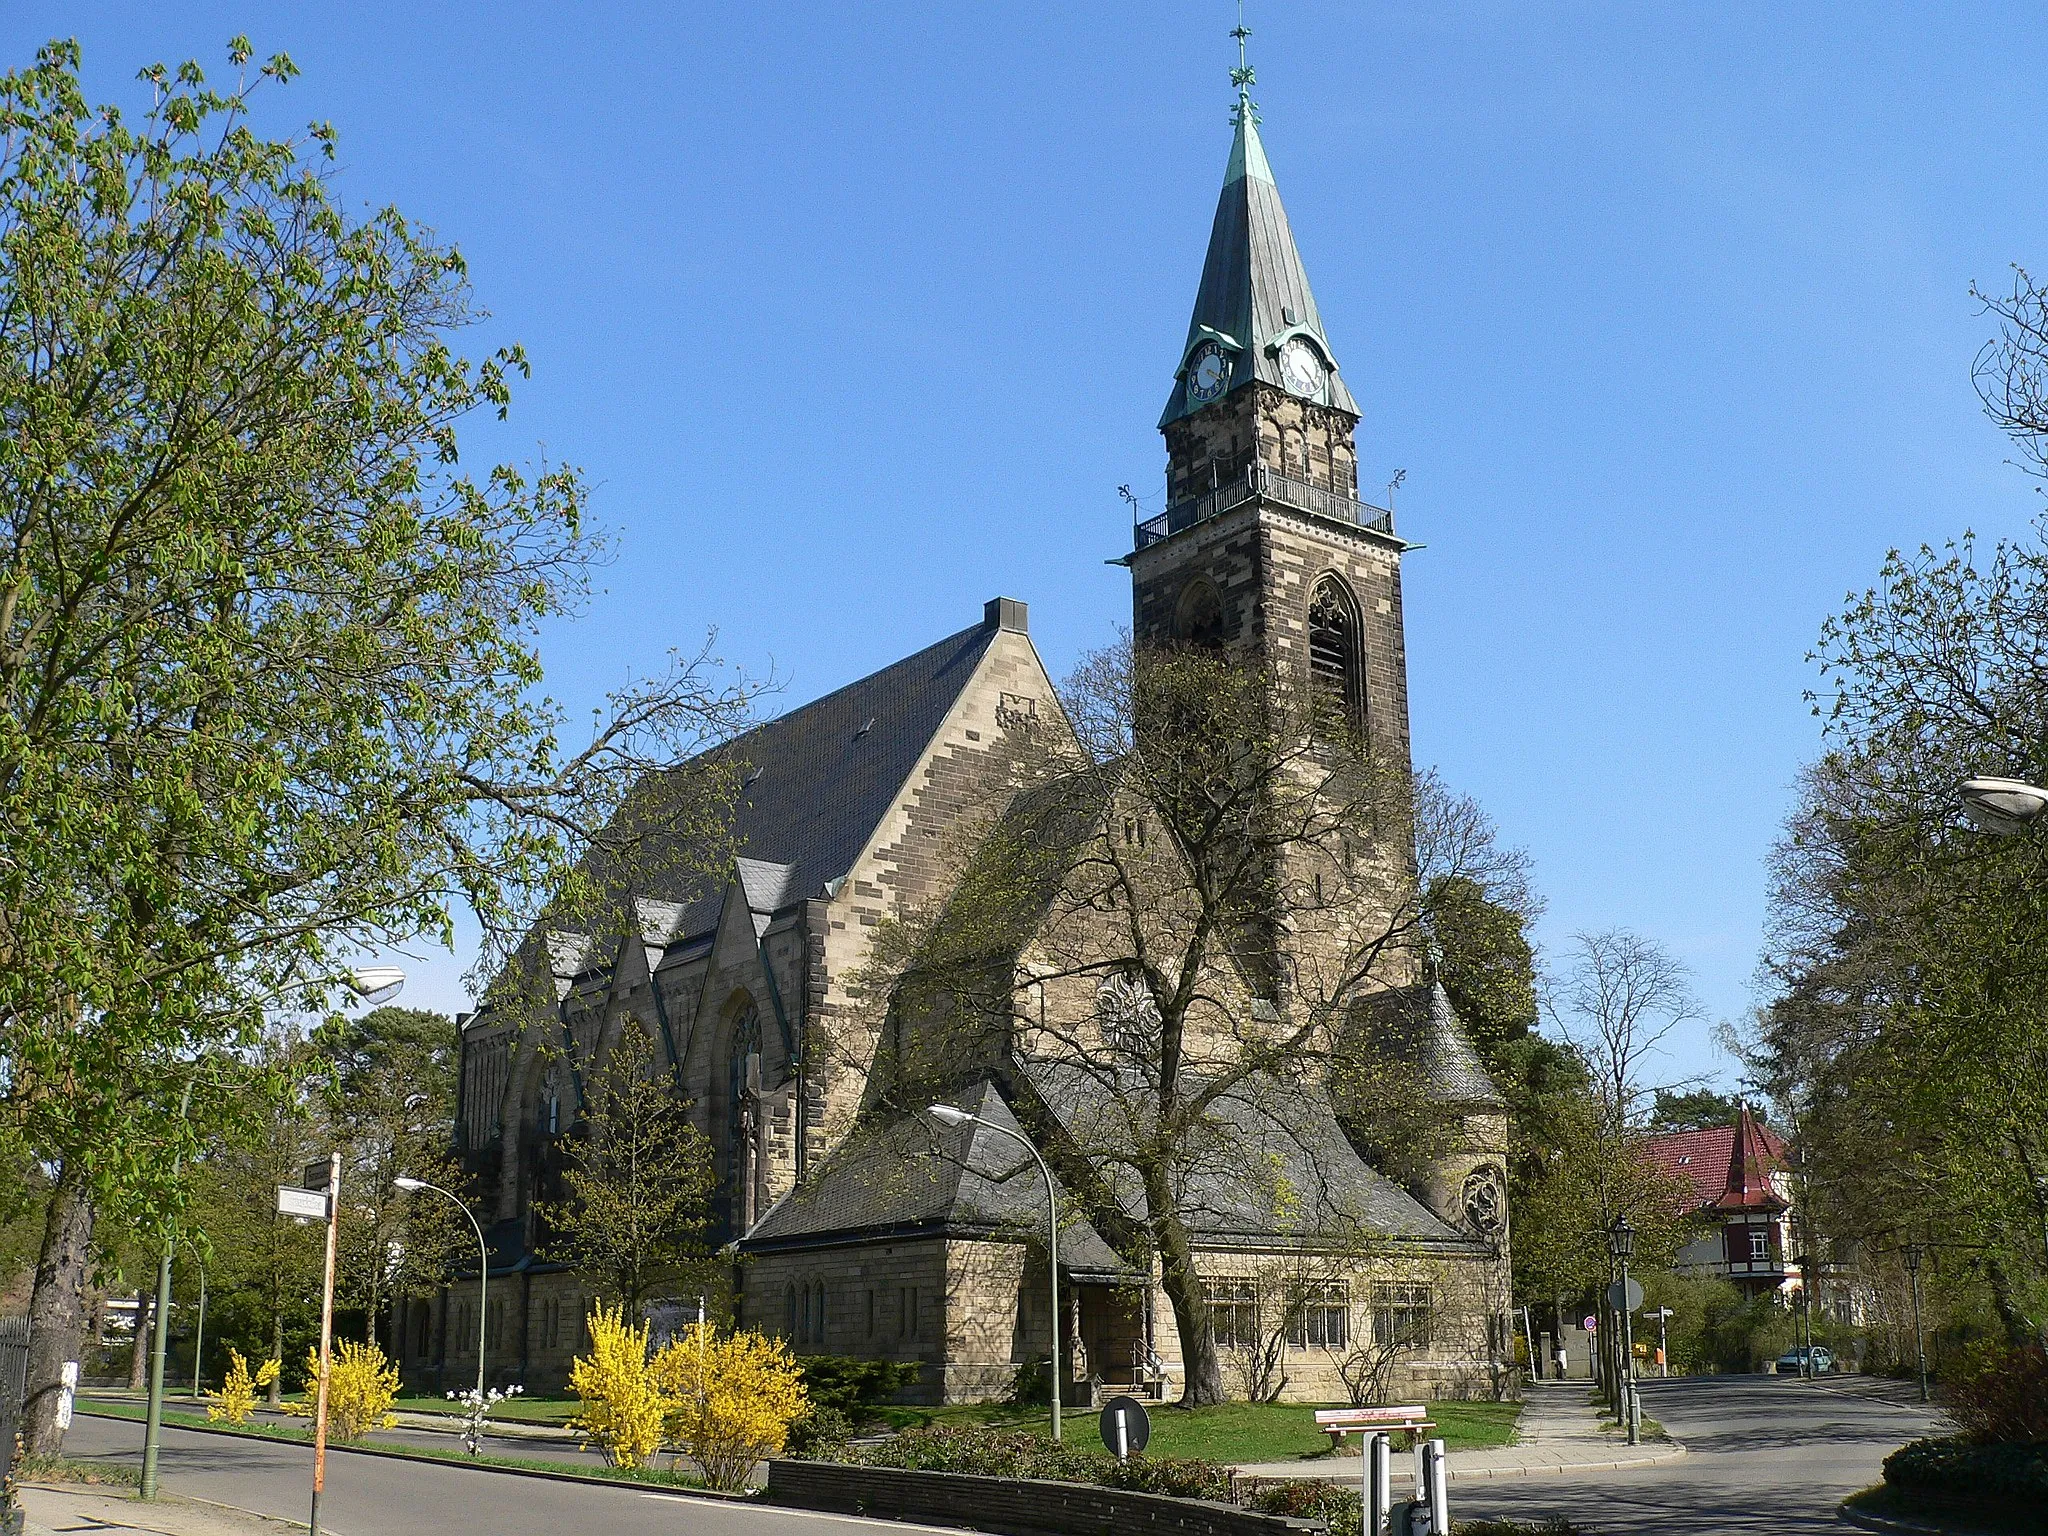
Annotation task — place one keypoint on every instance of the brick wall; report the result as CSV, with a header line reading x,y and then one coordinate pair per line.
x,y
1013,1507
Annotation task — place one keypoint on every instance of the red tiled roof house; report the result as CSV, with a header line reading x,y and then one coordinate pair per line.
x,y
1737,1176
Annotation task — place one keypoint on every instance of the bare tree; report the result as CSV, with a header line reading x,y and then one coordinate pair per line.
x,y
1619,999
1163,946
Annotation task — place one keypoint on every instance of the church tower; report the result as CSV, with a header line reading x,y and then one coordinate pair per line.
x,y
1265,543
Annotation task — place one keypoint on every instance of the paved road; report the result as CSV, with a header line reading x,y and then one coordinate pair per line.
x,y
1769,1455
377,1496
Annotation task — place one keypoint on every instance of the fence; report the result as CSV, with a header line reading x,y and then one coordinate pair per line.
x,y
13,1388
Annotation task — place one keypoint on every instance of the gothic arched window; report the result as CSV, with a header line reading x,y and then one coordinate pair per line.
x,y
1199,620
1333,655
742,1084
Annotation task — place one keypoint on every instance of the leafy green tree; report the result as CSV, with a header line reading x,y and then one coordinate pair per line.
x,y
638,1184
1908,1038
1695,1109
269,692
387,1096
1486,963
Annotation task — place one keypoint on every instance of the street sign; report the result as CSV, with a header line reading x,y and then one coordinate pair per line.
x,y
315,1176
1591,1325
1625,1301
1126,1427
301,1202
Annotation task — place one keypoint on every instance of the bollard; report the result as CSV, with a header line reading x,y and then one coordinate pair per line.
x,y
1379,1484
1435,1489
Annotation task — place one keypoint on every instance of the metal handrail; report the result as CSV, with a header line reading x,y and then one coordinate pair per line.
x,y
1258,481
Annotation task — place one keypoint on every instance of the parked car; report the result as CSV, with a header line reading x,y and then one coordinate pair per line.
x,y
1823,1360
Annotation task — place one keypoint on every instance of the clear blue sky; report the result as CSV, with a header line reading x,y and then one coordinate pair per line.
x,y
858,315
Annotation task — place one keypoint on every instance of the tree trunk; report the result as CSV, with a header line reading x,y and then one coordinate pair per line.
x,y
138,1359
1203,1385
57,1309
276,1395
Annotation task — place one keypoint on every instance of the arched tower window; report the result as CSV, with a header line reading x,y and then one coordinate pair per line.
x,y
1333,655
1199,619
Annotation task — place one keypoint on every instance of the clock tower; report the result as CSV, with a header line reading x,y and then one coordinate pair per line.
x,y
1265,544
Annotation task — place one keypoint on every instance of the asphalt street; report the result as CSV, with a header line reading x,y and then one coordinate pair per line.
x,y
379,1496
1768,1454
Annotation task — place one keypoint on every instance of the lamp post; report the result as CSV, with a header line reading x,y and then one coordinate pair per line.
x,y
1919,1338
946,1114
483,1277
1803,1262
1621,1242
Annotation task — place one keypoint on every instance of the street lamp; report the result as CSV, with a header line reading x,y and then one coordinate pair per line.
x,y
1621,1243
483,1277
946,1114
1919,1338
2006,807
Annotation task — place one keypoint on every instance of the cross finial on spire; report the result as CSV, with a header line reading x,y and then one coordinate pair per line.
x,y
1243,76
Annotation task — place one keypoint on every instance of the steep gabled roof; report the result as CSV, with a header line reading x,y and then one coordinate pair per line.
x,y
818,781
906,1175
1728,1166
1254,292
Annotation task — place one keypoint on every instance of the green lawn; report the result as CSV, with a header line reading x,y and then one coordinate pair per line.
x,y
527,1410
1234,1432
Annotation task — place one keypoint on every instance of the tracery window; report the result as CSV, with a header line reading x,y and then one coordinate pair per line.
x,y
1128,1016
1233,1313
1323,1318
1401,1315
1333,656
1199,621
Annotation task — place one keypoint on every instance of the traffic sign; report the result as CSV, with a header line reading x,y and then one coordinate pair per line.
x,y
1591,1325
1625,1301
1126,1427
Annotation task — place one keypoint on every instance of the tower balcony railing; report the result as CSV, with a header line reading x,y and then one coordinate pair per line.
x,y
1257,481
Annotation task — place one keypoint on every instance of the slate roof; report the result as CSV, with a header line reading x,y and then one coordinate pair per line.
x,y
907,1176
819,780
1252,279
1418,1028
1728,1166
1266,1137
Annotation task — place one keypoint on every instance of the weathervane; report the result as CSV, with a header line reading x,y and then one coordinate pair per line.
x,y
1243,76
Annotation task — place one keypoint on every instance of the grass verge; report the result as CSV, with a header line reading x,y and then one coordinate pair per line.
x,y
67,1469
1236,1433
652,1477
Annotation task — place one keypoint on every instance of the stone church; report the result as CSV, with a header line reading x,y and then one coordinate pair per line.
x,y
857,1228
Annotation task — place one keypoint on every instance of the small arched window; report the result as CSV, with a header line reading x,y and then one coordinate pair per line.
x,y
1333,657
789,1320
1199,618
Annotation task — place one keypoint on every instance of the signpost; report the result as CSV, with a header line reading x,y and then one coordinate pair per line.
x,y
322,1197
1126,1427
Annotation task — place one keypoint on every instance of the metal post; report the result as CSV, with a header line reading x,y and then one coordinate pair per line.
x,y
483,1280
1379,1483
1663,1343
153,1416
199,1335
1919,1339
1435,1488
326,1342
947,1114
1628,1365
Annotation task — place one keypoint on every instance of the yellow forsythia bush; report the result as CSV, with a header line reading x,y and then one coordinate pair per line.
x,y
622,1410
236,1398
728,1401
361,1387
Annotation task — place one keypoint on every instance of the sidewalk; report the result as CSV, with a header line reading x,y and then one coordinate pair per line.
x,y
1559,1431
55,1510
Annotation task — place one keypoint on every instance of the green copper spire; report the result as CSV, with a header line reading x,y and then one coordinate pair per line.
x,y
1254,297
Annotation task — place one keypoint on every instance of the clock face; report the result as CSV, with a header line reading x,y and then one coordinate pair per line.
x,y
1208,373
1300,369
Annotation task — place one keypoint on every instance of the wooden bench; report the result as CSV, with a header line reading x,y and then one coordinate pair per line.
x,y
1411,1421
